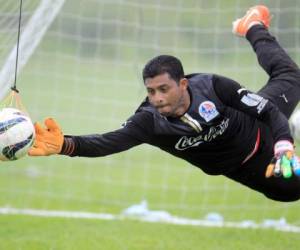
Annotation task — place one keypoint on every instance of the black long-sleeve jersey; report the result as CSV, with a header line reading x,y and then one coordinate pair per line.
x,y
223,127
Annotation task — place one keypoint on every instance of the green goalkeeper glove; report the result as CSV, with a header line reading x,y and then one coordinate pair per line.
x,y
49,140
284,162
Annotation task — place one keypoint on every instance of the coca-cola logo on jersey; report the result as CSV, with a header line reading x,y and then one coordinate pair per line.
x,y
186,142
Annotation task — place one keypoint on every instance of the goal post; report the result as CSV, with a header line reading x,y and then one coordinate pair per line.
x,y
31,36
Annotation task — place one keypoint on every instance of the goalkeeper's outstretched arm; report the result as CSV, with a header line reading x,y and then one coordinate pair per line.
x,y
50,139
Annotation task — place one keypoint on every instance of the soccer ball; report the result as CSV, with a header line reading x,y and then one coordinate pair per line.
x,y
295,125
16,134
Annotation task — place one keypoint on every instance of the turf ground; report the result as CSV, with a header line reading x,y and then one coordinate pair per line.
x,y
26,233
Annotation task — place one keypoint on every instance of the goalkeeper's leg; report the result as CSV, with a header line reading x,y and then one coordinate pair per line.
x,y
283,87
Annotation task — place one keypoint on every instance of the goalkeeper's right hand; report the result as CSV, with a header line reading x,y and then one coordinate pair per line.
x,y
48,140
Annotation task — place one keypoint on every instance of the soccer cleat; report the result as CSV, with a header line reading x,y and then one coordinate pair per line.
x,y
259,14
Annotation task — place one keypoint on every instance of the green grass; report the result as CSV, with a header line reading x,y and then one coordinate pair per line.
x,y
70,234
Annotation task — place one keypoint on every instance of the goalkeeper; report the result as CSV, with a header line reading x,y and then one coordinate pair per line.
x,y
209,120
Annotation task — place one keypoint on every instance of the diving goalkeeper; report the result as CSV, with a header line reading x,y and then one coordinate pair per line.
x,y
209,120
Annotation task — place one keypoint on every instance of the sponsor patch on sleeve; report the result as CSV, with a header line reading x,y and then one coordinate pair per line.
x,y
253,100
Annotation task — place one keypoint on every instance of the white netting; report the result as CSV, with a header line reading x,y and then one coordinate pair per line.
x,y
86,73
38,17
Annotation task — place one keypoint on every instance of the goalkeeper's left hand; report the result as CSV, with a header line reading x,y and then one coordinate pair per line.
x,y
48,140
284,163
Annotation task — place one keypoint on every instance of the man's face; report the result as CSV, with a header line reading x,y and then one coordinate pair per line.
x,y
165,94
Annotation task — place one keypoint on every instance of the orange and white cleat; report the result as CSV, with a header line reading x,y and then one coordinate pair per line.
x,y
258,14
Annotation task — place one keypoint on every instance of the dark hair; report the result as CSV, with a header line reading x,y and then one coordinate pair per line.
x,y
164,64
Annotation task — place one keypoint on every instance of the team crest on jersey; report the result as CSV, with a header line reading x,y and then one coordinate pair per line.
x,y
208,110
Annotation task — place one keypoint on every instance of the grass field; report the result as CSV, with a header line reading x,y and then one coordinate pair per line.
x,y
65,234
92,84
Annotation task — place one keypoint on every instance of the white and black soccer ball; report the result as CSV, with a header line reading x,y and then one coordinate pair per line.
x,y
16,134
295,125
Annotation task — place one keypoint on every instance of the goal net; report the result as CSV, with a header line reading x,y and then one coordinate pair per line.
x,y
85,71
